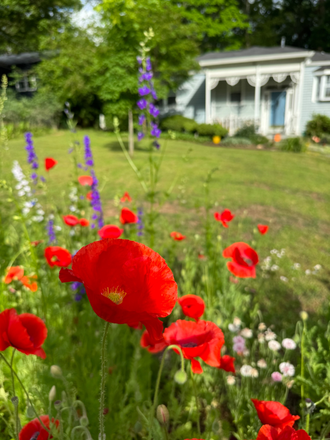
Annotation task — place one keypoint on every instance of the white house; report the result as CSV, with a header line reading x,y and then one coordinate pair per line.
x,y
276,88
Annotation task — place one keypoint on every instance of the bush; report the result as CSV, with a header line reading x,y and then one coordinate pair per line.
x,y
294,145
211,130
318,126
248,131
236,141
179,124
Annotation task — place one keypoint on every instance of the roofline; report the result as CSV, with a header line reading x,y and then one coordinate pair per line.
x,y
323,72
319,63
238,60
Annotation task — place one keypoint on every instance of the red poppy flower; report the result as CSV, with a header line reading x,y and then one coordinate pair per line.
x,y
89,195
35,430
192,306
201,257
268,432
13,273
263,229
177,236
35,243
85,180
201,339
152,347
136,325
50,163
244,260
227,363
57,256
126,282
25,332
225,217
33,286
70,220
126,198
127,216
84,222
110,231
274,413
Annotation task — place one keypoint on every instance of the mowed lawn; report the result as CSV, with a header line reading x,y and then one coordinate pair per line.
x,y
287,191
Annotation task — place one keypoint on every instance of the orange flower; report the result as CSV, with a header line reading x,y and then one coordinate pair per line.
x,y
85,180
177,236
13,273
26,281
126,198
84,222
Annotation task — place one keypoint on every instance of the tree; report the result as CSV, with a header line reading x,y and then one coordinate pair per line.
x,y
22,22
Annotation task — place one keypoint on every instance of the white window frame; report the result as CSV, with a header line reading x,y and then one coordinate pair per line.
x,y
323,86
28,80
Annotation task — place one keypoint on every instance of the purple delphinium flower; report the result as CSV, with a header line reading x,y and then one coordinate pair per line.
x,y
155,131
156,145
140,225
153,110
142,104
139,60
144,90
142,118
88,152
148,64
79,290
140,135
96,203
146,76
32,157
51,231
154,94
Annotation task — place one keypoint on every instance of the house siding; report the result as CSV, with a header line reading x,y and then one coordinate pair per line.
x,y
308,108
190,98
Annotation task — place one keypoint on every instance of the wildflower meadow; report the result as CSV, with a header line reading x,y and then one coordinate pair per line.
x,y
138,328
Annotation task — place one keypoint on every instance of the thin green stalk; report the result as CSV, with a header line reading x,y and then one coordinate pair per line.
x,y
302,370
103,376
17,428
166,433
76,428
197,403
26,393
307,423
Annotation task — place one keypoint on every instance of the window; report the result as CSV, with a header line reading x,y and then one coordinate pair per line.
x,y
235,97
325,88
171,100
26,83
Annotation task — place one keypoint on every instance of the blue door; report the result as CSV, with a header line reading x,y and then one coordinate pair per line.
x,y
277,111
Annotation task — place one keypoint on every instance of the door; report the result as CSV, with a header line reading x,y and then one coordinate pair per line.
x,y
277,111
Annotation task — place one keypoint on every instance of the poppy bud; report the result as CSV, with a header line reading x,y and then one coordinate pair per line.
x,y
84,421
14,401
163,416
52,393
304,316
30,412
57,404
138,427
56,371
180,377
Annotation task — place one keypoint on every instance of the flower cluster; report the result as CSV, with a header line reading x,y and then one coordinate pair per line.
x,y
51,231
32,157
140,225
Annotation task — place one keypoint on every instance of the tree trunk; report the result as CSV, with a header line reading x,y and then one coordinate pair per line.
x,y
130,133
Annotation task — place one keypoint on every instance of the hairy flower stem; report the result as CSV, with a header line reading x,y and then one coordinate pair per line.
x,y
196,398
152,412
17,423
103,375
302,370
26,393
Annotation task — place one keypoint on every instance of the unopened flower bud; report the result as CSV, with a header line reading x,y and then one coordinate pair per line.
x,y
304,315
84,421
30,414
180,377
52,393
56,371
163,416
57,404
14,401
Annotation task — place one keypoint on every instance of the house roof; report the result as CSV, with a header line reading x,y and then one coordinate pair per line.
x,y
23,58
321,56
251,52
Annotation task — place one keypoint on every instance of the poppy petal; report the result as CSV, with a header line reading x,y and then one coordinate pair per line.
x,y
155,329
67,275
196,367
241,271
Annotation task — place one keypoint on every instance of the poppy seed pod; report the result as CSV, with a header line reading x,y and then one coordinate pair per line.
x,y
52,394
56,371
57,404
14,401
163,416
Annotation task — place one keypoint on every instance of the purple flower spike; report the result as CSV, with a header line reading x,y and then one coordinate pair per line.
x,y
142,118
88,152
144,91
148,64
155,130
146,76
139,60
51,231
142,104
32,157
154,94
153,110
140,224
156,145
140,135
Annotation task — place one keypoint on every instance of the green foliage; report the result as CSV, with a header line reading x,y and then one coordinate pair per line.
x,y
211,130
179,123
248,131
236,141
318,125
294,145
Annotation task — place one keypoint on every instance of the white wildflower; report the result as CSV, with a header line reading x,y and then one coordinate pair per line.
x,y
231,380
233,328
246,370
289,344
287,369
237,321
254,372
284,279
274,267
308,272
296,266
247,333
270,335
262,363
274,345
317,267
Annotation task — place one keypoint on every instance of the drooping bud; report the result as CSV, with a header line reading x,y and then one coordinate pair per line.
x,y
180,377
14,401
56,371
163,416
84,421
52,393
57,404
30,414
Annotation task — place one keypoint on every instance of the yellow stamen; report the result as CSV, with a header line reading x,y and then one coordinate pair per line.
x,y
117,296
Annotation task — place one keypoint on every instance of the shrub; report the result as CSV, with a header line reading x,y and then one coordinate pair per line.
x,y
236,141
294,145
318,125
248,131
211,130
178,123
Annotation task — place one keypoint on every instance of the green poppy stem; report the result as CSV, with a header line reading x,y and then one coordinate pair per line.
x,y
103,377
